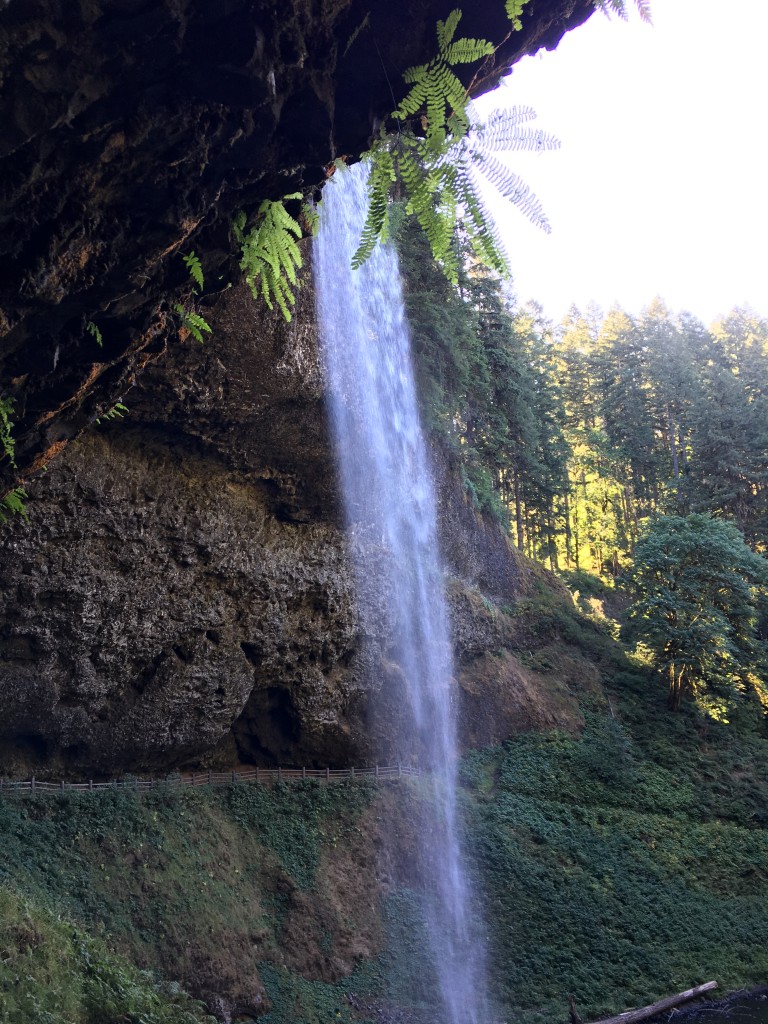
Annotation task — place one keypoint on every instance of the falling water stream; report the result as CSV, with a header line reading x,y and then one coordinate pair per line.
x,y
392,525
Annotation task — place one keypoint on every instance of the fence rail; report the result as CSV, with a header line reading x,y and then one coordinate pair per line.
x,y
211,778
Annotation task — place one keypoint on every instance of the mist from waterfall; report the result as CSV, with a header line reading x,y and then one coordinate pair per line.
x,y
392,529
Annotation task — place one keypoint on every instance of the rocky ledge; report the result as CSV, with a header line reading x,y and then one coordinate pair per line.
x,y
133,130
182,592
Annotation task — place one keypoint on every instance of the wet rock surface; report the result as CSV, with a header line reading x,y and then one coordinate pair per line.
x,y
182,593
133,130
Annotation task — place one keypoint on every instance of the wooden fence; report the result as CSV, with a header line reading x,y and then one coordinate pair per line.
x,y
211,778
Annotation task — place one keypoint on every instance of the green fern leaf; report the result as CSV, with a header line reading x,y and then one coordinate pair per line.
x,y
270,253
434,164
512,187
514,9
446,30
311,218
620,7
238,226
465,51
193,322
193,265
7,443
94,331
14,503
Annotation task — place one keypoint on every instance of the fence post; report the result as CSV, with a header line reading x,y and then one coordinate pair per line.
x,y
234,777
352,772
377,771
257,773
33,783
303,772
61,785
327,774
399,770
209,776
279,773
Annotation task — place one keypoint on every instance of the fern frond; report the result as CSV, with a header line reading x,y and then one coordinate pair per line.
x,y
193,322
117,412
7,443
238,226
270,253
311,218
617,6
434,164
500,124
513,188
620,7
193,265
514,9
530,139
94,331
480,226
446,30
14,503
465,51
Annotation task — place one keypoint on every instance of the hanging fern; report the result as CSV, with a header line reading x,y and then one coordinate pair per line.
x,y
620,7
514,9
440,149
270,253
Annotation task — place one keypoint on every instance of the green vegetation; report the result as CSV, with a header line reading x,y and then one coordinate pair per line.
x,y
52,972
606,882
573,435
116,412
13,503
203,887
193,322
627,863
431,159
195,268
270,254
95,333
486,382
698,589
617,866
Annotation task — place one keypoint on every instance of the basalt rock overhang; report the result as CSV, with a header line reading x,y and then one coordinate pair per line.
x,y
133,130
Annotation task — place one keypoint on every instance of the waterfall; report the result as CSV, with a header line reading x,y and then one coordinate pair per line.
x,y
391,517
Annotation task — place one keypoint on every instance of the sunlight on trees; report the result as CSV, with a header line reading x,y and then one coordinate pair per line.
x,y
698,592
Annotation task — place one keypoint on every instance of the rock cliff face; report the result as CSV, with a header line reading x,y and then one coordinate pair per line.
x,y
182,594
181,591
132,132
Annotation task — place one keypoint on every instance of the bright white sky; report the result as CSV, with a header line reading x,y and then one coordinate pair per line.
x,y
660,186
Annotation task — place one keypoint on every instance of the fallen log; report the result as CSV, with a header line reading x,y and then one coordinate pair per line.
x,y
670,1003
